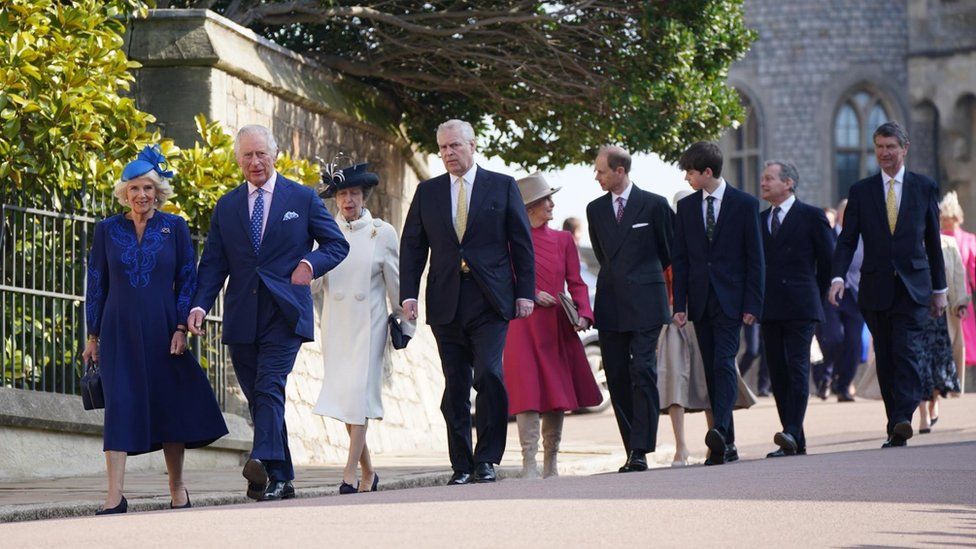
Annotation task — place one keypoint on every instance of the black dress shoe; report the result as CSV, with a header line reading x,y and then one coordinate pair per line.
x,y
731,453
484,472
257,479
845,397
902,430
278,490
346,488
186,505
823,391
716,443
894,442
636,462
459,477
122,507
786,442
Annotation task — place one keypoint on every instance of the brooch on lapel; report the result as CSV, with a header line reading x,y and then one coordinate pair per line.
x,y
164,230
289,216
376,225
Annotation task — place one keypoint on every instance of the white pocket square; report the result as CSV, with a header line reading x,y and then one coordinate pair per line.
x,y
638,225
289,216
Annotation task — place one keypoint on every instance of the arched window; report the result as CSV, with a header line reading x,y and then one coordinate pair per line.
x,y
741,149
857,118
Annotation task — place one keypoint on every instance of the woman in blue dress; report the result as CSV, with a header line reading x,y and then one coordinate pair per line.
x,y
141,276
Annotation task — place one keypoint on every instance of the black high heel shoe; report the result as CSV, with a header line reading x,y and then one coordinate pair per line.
x,y
187,505
346,488
376,482
122,507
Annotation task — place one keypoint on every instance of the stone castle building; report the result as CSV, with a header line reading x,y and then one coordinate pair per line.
x,y
823,75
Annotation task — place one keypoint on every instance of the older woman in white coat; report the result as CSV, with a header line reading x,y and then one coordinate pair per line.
x,y
355,330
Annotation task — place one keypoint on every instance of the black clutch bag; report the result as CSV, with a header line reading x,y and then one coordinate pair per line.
x,y
397,337
91,387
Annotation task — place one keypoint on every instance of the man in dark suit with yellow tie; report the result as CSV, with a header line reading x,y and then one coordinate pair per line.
x,y
896,213
473,225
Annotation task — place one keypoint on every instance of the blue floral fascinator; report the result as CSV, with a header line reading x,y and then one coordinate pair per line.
x,y
149,159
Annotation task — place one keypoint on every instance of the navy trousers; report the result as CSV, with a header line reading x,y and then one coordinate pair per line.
x,y
754,350
262,369
897,333
630,363
718,339
840,341
787,345
471,348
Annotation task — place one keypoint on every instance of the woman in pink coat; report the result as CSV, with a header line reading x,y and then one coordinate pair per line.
x,y
545,366
951,216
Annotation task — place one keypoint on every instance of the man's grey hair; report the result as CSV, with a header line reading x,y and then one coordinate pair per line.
x,y
892,129
787,170
257,129
467,131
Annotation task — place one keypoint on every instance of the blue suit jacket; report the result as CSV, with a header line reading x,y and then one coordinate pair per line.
x,y
497,246
797,264
228,252
914,251
630,290
732,264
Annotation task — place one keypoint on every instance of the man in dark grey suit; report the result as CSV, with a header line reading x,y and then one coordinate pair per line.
x,y
631,234
896,213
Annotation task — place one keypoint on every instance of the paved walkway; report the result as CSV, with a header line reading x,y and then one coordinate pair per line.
x,y
591,445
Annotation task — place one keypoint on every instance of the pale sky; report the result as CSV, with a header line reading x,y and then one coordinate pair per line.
x,y
579,187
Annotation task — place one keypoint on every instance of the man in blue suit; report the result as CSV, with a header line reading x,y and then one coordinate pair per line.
x,y
896,213
261,236
718,280
473,225
797,245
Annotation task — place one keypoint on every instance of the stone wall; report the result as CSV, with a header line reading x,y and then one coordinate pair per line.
x,y
942,88
195,61
809,55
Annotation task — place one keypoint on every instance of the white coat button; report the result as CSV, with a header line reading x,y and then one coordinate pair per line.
x,y
339,296
360,297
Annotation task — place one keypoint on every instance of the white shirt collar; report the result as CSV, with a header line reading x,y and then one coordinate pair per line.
x,y
625,195
468,176
719,191
787,204
268,186
899,177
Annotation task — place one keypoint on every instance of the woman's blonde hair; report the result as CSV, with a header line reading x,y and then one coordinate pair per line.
x,y
163,189
949,208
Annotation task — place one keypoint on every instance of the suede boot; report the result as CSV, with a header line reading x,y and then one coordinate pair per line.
x,y
552,434
528,429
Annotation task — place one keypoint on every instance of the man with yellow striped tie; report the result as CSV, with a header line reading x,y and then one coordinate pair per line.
x,y
482,274
896,212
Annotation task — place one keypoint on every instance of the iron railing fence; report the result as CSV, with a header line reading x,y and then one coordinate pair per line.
x,y
44,244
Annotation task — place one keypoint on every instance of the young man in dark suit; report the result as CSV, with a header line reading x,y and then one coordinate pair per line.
x,y
718,280
631,234
896,213
797,245
482,274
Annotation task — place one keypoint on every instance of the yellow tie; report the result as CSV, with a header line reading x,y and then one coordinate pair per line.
x,y
462,210
891,206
